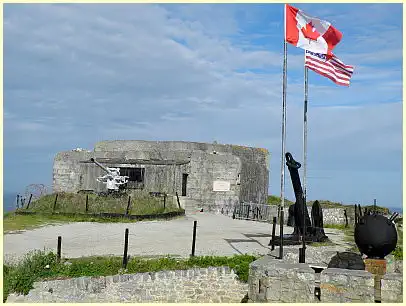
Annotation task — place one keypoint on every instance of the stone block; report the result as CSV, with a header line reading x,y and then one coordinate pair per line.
x,y
392,288
346,286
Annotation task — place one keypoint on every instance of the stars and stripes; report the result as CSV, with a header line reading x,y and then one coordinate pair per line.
x,y
330,67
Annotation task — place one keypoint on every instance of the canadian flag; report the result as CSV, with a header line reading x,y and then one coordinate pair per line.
x,y
310,33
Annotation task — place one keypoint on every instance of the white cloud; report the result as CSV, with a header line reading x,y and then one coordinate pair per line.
x,y
77,74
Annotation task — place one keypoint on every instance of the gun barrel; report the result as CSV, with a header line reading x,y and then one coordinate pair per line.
x,y
100,165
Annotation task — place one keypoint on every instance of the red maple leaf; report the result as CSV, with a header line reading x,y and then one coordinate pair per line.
x,y
310,32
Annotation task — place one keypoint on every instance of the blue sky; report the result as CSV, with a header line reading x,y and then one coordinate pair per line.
x,y
78,74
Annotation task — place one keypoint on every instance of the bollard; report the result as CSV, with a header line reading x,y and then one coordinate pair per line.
x,y
87,203
194,238
127,211
177,199
59,248
281,214
125,258
164,200
29,201
273,234
56,199
346,218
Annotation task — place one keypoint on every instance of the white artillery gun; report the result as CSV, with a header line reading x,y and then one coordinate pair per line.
x,y
112,179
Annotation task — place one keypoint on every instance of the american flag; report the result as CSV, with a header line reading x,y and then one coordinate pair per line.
x,y
330,67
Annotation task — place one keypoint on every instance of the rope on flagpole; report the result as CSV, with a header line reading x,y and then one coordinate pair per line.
x,y
282,205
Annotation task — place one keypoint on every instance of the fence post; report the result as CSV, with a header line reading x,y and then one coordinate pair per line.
x,y
273,234
87,203
194,238
125,258
177,199
346,219
127,212
56,199
29,201
59,248
164,200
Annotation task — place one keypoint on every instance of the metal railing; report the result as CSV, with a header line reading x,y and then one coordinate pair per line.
x,y
255,212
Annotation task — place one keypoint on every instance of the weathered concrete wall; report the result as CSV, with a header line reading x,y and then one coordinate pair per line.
x,y
254,161
205,285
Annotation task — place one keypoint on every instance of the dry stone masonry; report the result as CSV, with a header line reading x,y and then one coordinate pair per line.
x,y
204,285
274,280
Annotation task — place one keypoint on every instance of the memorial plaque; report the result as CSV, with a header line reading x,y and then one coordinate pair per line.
x,y
221,186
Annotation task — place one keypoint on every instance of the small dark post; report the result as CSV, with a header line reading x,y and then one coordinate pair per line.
x,y
346,218
273,233
29,201
59,248
360,210
127,212
87,203
355,214
177,199
56,199
281,234
194,238
164,200
125,258
18,200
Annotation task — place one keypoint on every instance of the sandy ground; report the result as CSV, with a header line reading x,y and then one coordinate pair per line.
x,y
216,235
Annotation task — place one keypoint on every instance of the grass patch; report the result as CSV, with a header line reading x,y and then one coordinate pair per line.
x,y
337,226
275,200
320,244
141,204
21,278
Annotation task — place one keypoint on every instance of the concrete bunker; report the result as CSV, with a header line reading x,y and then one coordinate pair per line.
x,y
215,175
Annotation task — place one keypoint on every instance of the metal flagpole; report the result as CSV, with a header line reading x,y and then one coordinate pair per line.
x,y
304,160
282,205
305,132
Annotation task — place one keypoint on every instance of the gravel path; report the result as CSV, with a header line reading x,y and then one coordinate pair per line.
x,y
216,235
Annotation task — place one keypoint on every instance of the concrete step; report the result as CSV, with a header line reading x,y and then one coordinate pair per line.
x,y
190,206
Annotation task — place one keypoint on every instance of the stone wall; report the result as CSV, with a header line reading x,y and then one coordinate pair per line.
x,y
271,280
333,216
346,286
205,285
392,288
274,280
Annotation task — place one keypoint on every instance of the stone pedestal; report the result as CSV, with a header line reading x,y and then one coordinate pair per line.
x,y
272,280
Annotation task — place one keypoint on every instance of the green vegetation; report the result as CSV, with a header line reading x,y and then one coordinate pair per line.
x,y
141,204
336,226
274,200
39,266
